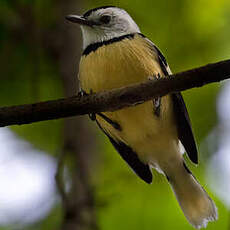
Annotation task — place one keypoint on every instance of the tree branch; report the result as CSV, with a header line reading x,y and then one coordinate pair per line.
x,y
114,99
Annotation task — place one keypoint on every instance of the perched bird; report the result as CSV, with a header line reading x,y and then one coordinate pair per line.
x,y
117,54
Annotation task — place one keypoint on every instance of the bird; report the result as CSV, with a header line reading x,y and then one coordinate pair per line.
x,y
149,135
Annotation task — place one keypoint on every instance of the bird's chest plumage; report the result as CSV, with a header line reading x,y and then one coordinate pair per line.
x,y
121,64
118,64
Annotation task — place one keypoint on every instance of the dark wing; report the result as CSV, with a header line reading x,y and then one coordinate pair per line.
x,y
141,169
185,133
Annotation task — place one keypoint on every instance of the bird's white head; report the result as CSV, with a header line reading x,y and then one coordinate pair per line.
x,y
104,23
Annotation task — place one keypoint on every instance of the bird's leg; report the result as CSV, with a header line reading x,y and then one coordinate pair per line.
x,y
157,100
82,93
92,116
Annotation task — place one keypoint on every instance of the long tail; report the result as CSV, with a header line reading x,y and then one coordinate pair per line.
x,y
197,206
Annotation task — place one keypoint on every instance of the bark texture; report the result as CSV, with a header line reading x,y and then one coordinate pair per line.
x,y
114,99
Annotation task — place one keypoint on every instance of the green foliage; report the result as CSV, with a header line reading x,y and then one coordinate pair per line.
x,y
27,73
189,33
126,202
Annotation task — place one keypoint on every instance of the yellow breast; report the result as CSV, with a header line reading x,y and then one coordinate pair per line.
x,y
120,64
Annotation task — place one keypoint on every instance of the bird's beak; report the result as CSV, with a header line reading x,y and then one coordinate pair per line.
x,y
79,20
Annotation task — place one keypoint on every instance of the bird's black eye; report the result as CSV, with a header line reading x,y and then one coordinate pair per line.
x,y
105,19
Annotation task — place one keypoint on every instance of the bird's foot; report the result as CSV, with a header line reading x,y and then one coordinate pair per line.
x,y
157,100
83,93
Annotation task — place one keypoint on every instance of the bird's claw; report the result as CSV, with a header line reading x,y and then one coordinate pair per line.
x,y
82,93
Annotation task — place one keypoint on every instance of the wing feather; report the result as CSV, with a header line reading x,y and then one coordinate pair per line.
x,y
184,128
126,152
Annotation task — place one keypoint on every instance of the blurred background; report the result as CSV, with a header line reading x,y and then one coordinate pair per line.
x,y
39,55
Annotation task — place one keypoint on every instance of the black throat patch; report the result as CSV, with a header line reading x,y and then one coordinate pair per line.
x,y
93,47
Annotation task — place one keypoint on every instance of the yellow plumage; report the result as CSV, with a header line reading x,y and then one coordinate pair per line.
x,y
117,55
120,64
153,138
